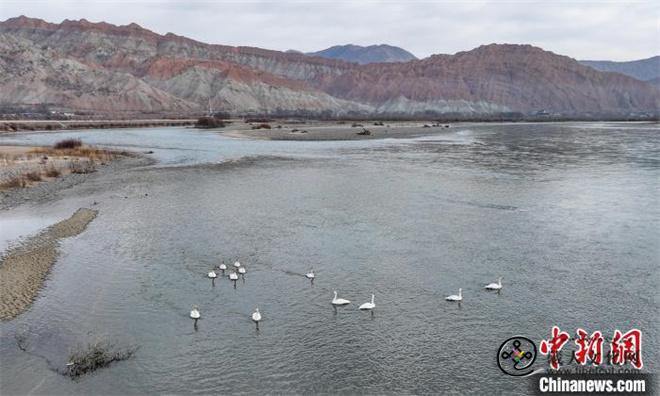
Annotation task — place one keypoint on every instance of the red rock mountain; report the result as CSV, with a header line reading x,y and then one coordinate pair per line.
x,y
100,67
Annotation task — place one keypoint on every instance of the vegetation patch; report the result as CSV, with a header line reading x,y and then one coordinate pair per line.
x,y
210,122
24,167
94,356
261,126
67,144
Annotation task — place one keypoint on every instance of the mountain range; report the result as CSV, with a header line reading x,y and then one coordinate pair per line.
x,y
116,70
382,53
643,69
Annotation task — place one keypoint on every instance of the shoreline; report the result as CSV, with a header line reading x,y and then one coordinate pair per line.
x,y
10,126
24,268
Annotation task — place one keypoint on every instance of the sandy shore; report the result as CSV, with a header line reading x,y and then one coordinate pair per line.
x,y
24,268
318,131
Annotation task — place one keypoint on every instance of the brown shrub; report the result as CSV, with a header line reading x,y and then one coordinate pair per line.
x,y
67,144
33,176
14,182
52,172
210,122
94,356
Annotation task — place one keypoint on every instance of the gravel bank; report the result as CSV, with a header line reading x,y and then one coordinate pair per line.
x,y
324,132
24,268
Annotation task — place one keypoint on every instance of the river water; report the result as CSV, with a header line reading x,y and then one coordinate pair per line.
x,y
567,213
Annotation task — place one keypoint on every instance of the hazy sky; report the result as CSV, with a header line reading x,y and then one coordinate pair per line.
x,y
617,30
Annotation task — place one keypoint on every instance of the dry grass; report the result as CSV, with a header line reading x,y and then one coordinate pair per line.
x,y
6,158
14,182
81,168
52,172
34,165
33,176
90,152
261,126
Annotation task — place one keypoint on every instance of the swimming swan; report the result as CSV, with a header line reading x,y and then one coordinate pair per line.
x,y
212,275
242,270
339,301
237,264
194,314
310,274
256,316
455,297
368,305
233,276
494,286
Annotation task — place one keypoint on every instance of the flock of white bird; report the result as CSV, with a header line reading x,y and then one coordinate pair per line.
x,y
233,276
368,306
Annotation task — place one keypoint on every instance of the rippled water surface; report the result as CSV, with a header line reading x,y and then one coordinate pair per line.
x,y
568,214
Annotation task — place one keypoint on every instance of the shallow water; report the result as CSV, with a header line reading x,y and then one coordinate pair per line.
x,y
566,213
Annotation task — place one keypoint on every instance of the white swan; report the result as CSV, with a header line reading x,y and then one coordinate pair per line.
x,y
222,267
194,314
339,301
310,274
455,297
212,275
233,276
494,286
256,316
237,264
368,305
242,270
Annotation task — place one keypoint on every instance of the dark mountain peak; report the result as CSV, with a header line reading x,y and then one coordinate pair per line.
x,y
380,53
642,69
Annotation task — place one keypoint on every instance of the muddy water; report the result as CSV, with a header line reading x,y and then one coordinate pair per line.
x,y
567,214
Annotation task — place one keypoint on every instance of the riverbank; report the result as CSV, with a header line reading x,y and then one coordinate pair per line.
x,y
48,125
25,166
49,187
23,269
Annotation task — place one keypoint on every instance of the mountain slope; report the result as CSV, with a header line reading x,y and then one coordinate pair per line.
x,y
515,77
108,68
184,74
643,69
41,77
364,55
